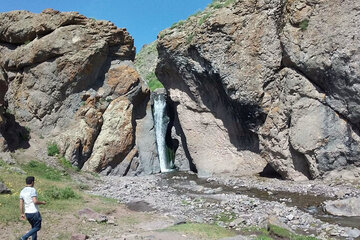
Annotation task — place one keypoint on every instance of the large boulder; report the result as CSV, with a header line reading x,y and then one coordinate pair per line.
x,y
275,79
347,207
72,81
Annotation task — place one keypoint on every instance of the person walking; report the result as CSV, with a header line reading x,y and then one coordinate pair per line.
x,y
29,201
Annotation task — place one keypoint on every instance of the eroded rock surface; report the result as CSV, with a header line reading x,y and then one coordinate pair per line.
x,y
71,80
270,78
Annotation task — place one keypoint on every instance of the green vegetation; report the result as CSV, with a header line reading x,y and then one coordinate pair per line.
x,y
216,4
56,193
225,217
52,149
275,232
204,17
51,186
161,35
2,164
284,233
262,237
200,230
25,134
189,38
177,24
195,14
170,154
40,169
66,163
185,203
153,82
304,24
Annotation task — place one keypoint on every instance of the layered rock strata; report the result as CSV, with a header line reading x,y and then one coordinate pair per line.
x,y
72,80
276,79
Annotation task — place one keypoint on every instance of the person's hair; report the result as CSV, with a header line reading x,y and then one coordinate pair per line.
x,y
30,180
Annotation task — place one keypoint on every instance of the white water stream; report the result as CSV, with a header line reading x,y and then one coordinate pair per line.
x,y
161,122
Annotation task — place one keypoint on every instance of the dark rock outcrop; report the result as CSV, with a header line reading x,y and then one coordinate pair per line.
x,y
71,80
270,78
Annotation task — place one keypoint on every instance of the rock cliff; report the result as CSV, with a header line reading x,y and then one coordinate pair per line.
x,y
71,80
275,80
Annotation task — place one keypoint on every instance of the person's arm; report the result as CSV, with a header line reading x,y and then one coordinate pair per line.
x,y
36,202
21,206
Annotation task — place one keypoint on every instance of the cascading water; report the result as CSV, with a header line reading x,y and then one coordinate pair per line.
x,y
161,121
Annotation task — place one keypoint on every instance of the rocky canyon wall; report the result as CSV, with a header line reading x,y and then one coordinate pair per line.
x,y
71,80
266,80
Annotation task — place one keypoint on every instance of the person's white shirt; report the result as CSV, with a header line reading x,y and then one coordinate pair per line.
x,y
27,195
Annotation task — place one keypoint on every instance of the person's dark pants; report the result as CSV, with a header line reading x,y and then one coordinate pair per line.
x,y
35,221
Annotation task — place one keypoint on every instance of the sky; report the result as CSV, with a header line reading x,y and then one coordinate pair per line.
x,y
144,19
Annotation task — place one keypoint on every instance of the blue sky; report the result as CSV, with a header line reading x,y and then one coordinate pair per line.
x,y
144,19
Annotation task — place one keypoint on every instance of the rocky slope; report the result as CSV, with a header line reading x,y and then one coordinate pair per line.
x,y
71,80
274,80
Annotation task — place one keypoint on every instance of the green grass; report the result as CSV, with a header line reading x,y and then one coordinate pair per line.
x,y
39,169
195,14
274,232
263,237
216,4
51,186
304,24
66,164
200,230
56,193
189,38
153,82
225,217
52,149
284,233
177,24
204,17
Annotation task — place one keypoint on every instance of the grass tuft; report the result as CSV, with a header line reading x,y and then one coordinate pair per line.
x,y
203,18
304,24
52,149
56,193
200,230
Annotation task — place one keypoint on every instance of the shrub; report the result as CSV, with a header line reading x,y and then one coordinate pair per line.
x,y
52,149
65,163
304,24
60,193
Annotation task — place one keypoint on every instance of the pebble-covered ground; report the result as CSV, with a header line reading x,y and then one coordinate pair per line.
x,y
237,203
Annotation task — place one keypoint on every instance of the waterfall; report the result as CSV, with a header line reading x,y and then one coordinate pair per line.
x,y
161,121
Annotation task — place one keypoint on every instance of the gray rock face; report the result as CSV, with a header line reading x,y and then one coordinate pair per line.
x,y
270,78
71,80
347,207
4,189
